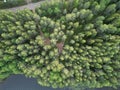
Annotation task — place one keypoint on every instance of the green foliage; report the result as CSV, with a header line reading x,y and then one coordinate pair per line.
x,y
63,43
36,0
11,3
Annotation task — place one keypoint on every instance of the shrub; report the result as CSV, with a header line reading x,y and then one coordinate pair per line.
x,y
64,43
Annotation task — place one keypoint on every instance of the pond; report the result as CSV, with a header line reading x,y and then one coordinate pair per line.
x,y
20,82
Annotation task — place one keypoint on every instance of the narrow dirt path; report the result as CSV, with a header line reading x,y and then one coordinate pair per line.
x,y
30,6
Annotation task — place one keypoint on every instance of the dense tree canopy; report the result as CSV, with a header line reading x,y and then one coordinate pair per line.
x,y
63,43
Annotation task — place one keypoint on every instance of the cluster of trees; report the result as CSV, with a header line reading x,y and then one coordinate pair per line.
x,y
14,3
11,3
63,43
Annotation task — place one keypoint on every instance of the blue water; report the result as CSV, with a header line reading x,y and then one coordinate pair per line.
x,y
20,82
